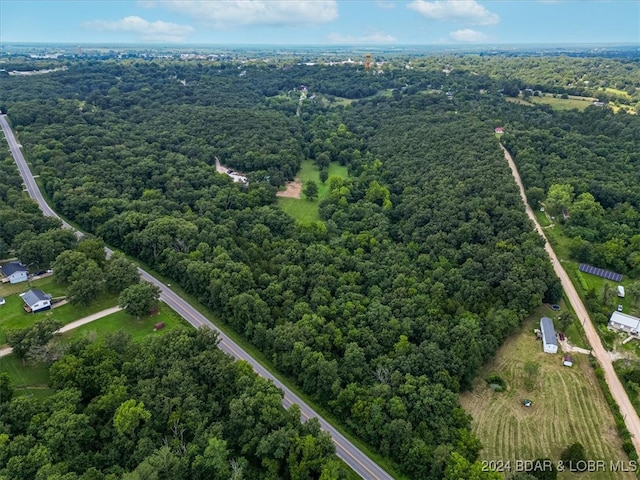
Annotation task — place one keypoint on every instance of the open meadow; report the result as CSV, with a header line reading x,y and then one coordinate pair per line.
x,y
303,209
568,406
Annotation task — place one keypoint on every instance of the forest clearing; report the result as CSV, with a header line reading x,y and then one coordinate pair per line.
x,y
568,406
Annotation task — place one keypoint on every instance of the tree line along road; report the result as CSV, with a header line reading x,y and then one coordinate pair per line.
x,y
347,451
631,419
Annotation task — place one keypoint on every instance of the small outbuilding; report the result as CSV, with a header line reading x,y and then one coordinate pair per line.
x,y
15,272
36,300
567,361
620,291
549,340
158,326
499,130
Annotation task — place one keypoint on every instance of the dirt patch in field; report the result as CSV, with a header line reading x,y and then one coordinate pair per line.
x,y
293,189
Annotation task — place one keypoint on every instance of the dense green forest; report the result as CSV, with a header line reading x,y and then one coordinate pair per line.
x,y
423,263
167,407
587,165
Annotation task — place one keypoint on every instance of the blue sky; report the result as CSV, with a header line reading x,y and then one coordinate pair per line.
x,y
301,22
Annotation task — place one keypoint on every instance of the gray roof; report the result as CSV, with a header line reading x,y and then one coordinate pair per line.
x,y
546,325
628,321
13,267
34,296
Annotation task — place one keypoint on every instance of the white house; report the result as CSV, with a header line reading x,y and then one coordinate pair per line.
x,y
624,323
549,340
15,272
36,300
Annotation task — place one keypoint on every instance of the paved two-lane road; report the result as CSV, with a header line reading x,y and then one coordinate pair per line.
x,y
346,450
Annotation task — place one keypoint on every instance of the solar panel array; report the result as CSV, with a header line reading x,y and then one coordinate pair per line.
x,y
600,272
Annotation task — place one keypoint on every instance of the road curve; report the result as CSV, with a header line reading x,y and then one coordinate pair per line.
x,y
631,419
347,451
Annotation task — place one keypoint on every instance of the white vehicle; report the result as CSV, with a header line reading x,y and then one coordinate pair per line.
x,y
620,291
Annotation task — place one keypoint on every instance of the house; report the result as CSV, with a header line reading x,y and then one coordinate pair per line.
x,y
624,322
620,291
499,130
549,341
15,272
36,300
567,361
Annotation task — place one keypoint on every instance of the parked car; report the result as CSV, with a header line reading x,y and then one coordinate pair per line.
x,y
561,336
39,272
619,308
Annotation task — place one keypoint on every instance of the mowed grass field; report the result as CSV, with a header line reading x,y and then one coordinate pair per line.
x,y
568,406
302,209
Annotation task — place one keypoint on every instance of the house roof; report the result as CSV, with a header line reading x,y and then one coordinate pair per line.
x,y
34,296
626,320
13,267
548,332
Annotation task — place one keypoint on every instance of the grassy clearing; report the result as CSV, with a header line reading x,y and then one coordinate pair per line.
x,y
121,322
568,406
302,209
563,103
615,91
519,101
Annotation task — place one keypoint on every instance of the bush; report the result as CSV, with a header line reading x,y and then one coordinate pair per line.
x,y
496,382
574,456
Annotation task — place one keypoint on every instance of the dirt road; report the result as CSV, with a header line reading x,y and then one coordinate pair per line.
x,y
631,418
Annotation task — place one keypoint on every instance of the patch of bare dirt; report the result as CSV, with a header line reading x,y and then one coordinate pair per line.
x,y
293,189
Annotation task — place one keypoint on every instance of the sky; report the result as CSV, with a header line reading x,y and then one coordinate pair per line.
x,y
320,22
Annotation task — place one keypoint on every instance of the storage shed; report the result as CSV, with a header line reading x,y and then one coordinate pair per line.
x,y
567,361
549,340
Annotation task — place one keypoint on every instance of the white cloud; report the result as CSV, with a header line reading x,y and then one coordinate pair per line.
x,y
231,13
377,37
466,11
158,31
468,35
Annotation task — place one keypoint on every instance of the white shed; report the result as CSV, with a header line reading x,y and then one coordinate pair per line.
x,y
549,340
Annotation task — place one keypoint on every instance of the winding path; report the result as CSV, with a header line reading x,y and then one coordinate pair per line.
x,y
347,451
631,419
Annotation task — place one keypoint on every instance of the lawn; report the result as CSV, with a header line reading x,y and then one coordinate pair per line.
x,y
568,406
33,379
13,316
120,321
304,210
26,378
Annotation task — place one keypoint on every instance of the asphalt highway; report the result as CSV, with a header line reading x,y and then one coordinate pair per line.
x,y
347,451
